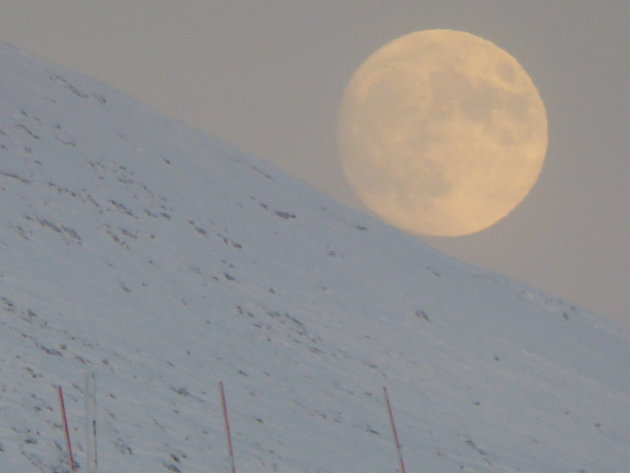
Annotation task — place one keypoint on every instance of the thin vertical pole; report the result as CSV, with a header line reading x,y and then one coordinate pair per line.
x,y
65,428
90,421
227,427
394,431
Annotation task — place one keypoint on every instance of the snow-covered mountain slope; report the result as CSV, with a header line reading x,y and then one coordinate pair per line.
x,y
165,262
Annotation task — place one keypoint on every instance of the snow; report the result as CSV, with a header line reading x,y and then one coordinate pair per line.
x,y
165,261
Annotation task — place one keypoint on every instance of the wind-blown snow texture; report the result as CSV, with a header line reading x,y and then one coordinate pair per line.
x,y
166,261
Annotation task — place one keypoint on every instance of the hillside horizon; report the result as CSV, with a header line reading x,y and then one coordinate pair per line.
x,y
166,261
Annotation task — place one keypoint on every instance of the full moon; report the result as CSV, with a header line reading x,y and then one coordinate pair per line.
x,y
441,133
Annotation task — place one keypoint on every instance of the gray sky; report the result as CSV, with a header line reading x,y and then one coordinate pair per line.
x,y
267,76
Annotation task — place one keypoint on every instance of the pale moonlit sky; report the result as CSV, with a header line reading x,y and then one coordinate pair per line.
x,y
267,76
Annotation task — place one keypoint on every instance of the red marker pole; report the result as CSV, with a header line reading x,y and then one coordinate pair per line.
x,y
65,428
227,427
394,431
